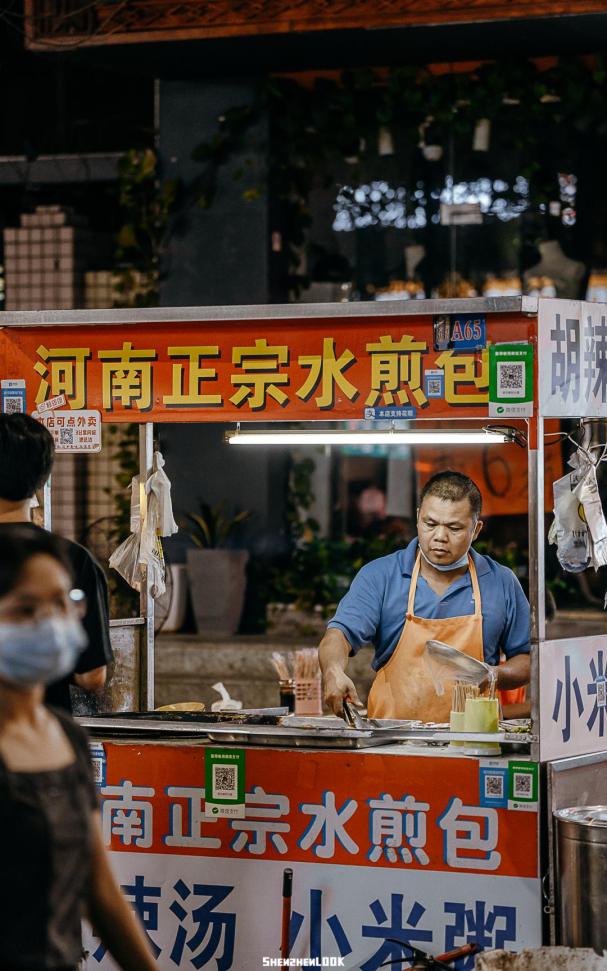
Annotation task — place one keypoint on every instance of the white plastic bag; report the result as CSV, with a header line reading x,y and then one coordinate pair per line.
x,y
158,522
125,560
569,531
593,513
579,528
143,547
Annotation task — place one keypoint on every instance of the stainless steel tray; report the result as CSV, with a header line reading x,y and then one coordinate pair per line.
x,y
332,734
334,738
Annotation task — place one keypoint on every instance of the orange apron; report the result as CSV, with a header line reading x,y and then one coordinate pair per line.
x,y
403,688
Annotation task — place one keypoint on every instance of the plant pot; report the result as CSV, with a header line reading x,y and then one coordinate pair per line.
x,y
217,584
287,620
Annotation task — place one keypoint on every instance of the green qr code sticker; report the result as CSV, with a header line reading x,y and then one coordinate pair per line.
x,y
522,785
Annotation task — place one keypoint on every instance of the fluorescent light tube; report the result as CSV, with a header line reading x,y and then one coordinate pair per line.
x,y
327,437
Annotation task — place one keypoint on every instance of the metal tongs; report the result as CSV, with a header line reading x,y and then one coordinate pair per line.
x,y
426,962
352,717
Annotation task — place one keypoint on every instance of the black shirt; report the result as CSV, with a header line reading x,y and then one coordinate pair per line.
x,y
45,840
89,577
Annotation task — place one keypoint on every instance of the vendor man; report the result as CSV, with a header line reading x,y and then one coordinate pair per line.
x,y
437,588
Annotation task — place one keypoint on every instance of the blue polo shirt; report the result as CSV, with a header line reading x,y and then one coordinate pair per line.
x,y
374,608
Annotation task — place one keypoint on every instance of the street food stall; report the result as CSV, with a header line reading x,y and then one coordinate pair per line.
x,y
396,834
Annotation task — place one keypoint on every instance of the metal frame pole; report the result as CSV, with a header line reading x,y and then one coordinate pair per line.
x,y
47,494
537,553
537,602
146,601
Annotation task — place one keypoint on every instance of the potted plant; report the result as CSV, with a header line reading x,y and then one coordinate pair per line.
x,y
216,572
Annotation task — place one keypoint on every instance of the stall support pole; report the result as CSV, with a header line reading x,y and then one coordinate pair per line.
x,y
537,571
537,602
146,601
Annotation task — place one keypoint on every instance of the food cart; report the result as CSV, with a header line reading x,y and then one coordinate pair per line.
x,y
393,837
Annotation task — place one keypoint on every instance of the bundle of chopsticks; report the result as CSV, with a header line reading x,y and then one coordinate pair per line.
x,y
281,665
300,665
306,664
460,694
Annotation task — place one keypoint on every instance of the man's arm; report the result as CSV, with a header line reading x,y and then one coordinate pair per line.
x,y
93,680
333,653
91,670
515,672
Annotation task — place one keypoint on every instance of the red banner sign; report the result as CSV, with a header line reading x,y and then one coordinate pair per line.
x,y
322,807
255,370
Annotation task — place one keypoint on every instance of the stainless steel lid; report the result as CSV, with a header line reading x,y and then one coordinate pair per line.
x,y
454,664
588,823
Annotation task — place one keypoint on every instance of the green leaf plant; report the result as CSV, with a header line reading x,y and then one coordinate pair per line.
x,y
212,528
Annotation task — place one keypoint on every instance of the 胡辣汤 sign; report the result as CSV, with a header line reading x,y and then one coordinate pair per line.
x,y
573,351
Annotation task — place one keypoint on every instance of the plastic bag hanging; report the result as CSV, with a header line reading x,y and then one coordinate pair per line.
x,y
593,514
579,529
143,548
569,531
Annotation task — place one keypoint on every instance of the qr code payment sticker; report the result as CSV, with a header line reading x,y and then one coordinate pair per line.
x,y
510,379
494,786
13,405
97,770
66,436
225,781
522,785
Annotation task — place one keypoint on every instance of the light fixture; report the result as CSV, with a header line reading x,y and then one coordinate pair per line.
x,y
338,437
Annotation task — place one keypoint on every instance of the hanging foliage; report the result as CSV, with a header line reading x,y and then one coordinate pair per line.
x,y
538,111
145,203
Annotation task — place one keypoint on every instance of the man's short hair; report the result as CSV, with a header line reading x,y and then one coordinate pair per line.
x,y
453,487
27,451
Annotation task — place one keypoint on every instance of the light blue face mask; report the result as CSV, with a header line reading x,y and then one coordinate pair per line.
x,y
447,567
41,652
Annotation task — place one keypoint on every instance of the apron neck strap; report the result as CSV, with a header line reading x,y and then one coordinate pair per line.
x,y
473,579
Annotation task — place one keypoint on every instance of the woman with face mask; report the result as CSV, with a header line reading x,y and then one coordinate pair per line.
x,y
53,863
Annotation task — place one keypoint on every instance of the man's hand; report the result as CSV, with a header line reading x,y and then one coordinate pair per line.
x,y
337,687
333,656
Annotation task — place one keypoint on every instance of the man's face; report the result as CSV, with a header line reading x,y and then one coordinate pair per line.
x,y
446,529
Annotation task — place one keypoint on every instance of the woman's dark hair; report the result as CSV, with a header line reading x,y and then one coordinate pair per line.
x,y
27,451
18,543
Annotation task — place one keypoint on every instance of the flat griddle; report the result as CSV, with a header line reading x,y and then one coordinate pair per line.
x,y
246,716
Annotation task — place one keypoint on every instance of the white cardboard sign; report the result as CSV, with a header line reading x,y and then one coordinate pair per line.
x,y
573,697
223,913
73,431
573,359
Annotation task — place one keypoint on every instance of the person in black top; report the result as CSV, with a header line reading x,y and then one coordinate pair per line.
x,y
54,863
26,459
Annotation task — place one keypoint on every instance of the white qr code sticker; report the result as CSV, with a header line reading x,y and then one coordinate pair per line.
x,y
225,781
13,406
494,786
510,379
12,396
